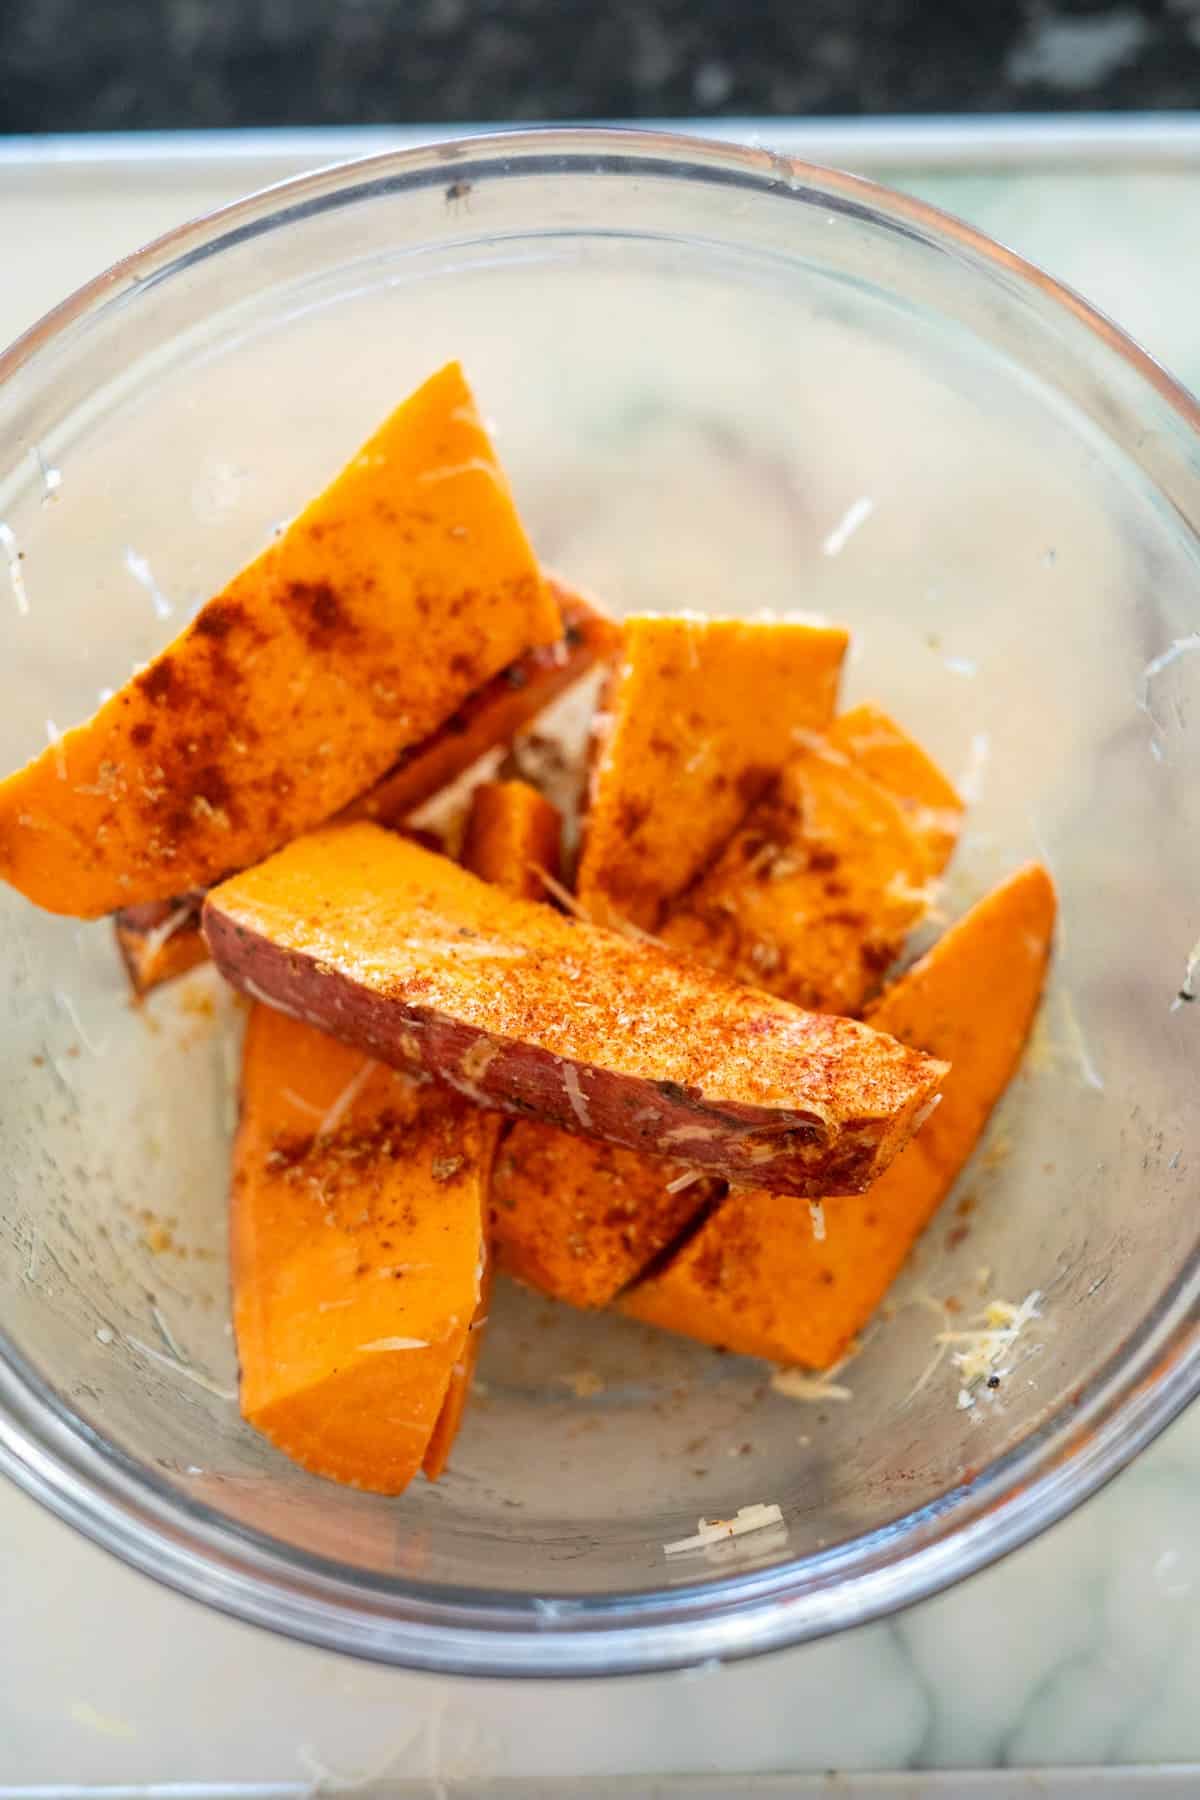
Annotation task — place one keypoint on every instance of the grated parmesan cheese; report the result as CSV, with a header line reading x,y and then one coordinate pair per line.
x,y
970,783
713,1531
685,1180
184,1369
558,892
345,1100
1187,987
396,1343
800,1384
1078,1043
816,1213
797,1384
251,988
68,1007
143,574
466,1088
168,1337
855,515
981,1351
1180,646
301,1104
54,739
474,465
12,556
158,936
51,477
574,1093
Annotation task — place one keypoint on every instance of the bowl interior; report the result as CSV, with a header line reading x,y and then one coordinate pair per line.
x,y
716,389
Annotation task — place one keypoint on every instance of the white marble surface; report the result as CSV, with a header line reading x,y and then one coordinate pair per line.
x,y
1082,1648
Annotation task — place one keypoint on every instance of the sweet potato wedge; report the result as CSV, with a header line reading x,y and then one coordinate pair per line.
x,y
356,1239
754,1277
360,1267
580,1219
512,834
458,1389
699,717
162,940
815,893
402,588
412,959
889,756
513,838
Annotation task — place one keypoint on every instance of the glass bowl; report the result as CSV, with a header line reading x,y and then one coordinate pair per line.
x,y
725,381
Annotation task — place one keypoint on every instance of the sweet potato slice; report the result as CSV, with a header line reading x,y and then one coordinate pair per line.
x,y
359,1256
579,1219
699,717
513,838
889,756
458,1389
406,585
412,959
512,834
815,893
160,940
356,1235
755,1278
163,940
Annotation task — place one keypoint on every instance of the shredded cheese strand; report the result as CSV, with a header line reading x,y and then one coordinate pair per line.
x,y
713,1531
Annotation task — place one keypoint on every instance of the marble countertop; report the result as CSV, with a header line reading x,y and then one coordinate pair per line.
x,y
1083,1648
73,65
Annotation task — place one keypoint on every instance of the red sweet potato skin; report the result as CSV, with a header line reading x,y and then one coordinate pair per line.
x,y
399,952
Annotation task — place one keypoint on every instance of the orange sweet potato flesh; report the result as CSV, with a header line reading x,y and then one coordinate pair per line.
x,y
885,752
414,960
359,1258
580,1219
815,893
163,940
513,837
699,716
458,1388
754,1278
495,712
356,1239
512,833
403,587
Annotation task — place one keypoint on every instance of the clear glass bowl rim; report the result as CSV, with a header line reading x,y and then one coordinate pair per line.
x,y
129,1510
